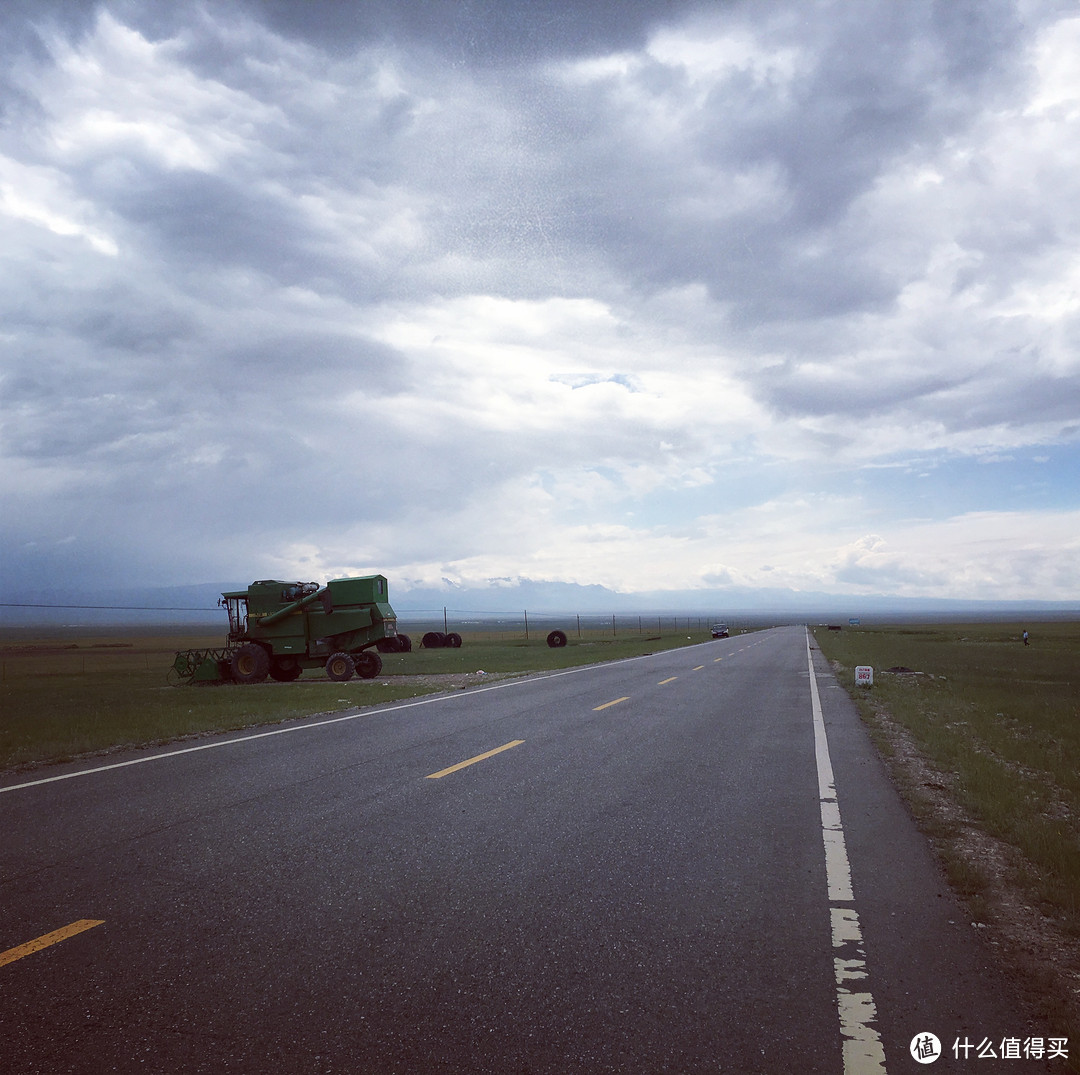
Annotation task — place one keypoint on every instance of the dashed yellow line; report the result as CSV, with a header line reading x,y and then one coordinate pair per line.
x,y
607,705
473,761
671,679
699,668
49,939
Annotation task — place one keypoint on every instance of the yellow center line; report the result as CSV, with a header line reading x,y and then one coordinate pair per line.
x,y
717,659
473,761
55,937
663,681
596,709
699,668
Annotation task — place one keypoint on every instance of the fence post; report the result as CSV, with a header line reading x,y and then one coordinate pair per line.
x,y
526,625
579,625
444,627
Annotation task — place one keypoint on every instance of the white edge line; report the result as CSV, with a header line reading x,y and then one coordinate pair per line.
x,y
364,712
862,1049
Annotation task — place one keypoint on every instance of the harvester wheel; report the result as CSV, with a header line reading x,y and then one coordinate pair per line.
x,y
285,669
340,667
404,644
453,640
557,639
250,663
368,664
433,640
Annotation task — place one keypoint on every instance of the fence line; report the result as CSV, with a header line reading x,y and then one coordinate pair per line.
x,y
530,626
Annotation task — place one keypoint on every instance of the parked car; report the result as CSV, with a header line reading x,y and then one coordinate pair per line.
x,y
720,630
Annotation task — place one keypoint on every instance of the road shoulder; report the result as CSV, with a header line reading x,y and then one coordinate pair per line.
x,y
913,920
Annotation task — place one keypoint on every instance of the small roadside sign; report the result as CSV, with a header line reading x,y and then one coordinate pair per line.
x,y
853,622
864,676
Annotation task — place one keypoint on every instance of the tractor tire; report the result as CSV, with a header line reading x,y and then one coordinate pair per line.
x,y
340,667
285,669
404,644
433,640
250,663
387,645
557,639
453,640
368,664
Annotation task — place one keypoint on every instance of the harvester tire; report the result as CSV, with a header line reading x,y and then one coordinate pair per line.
x,y
433,640
368,664
250,663
557,639
404,644
387,645
340,667
285,669
453,640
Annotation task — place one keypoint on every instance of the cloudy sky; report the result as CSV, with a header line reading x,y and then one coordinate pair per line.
x,y
652,295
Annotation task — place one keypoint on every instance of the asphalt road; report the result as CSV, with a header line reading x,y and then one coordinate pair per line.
x,y
673,864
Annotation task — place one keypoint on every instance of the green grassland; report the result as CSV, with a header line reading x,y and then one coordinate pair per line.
x,y
69,693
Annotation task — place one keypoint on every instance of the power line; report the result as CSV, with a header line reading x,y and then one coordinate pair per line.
x,y
109,608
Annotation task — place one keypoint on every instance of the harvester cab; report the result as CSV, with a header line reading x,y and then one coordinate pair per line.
x,y
262,599
278,629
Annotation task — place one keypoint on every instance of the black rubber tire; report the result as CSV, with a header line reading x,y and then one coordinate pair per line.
x,y
250,663
387,645
285,669
404,644
433,640
368,664
453,640
557,639
340,667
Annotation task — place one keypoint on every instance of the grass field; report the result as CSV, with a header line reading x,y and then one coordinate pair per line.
x,y
996,730
69,693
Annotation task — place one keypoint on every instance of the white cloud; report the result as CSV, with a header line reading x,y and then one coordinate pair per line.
x,y
125,96
1054,54
691,305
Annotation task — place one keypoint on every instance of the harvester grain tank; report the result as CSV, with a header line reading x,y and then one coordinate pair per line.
x,y
278,629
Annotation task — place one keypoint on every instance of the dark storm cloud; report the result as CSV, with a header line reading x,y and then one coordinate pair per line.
x,y
473,31
196,219
308,368
873,82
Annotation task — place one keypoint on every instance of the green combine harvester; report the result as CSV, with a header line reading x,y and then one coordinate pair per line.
x,y
278,629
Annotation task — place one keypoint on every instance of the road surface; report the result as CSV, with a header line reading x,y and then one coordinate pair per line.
x,y
688,862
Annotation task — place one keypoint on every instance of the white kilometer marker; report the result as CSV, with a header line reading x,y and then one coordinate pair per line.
x,y
863,1052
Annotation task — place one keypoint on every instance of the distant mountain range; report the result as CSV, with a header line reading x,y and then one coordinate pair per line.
x,y
196,605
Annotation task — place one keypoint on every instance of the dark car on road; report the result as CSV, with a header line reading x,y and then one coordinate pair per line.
x,y
720,630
